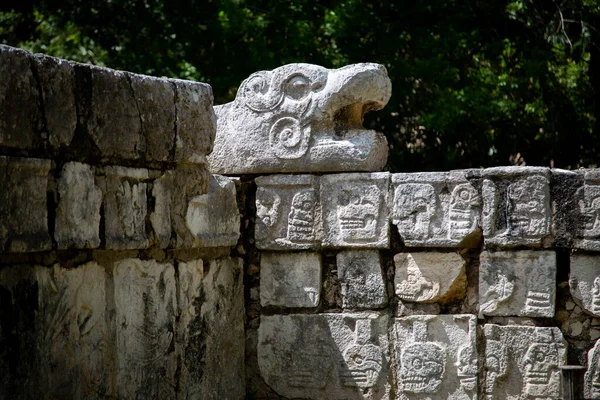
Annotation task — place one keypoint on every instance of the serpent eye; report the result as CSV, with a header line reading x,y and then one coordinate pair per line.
x,y
297,87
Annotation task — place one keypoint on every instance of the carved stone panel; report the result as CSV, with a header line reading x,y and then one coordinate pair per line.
x,y
361,279
517,283
516,206
584,282
521,362
290,279
588,197
429,277
592,375
355,210
325,356
288,214
436,357
435,208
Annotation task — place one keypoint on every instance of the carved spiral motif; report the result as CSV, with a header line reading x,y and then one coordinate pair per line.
x,y
288,139
262,92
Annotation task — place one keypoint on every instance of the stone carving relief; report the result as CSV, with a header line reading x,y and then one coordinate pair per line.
x,y
361,279
584,282
435,209
588,198
592,375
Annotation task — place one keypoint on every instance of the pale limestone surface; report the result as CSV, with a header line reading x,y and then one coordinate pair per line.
x,y
356,210
290,279
77,221
429,277
592,375
361,279
584,281
325,356
302,118
436,357
588,199
516,206
288,212
435,209
521,362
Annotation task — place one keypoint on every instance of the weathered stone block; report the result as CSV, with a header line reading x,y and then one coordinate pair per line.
x,y
592,375
145,303
21,119
522,362
584,281
78,213
435,209
566,217
355,210
361,279
160,216
436,357
329,356
288,212
588,199
290,279
125,208
23,204
516,206
430,277
517,283
302,118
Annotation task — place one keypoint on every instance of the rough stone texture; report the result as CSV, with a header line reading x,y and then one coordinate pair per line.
x,y
436,357
516,206
21,118
290,279
77,221
584,281
196,121
302,118
355,210
145,304
517,283
160,216
361,279
566,217
125,208
430,277
521,362
288,212
214,217
325,356
588,201
435,209
23,204
592,375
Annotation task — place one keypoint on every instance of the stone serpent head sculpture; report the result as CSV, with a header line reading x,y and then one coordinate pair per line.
x,y
302,118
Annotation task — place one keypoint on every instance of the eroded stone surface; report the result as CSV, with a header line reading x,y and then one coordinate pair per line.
x,y
517,283
361,279
438,209
160,216
290,279
355,210
325,355
592,375
521,362
588,197
302,118
78,212
516,206
436,357
429,277
288,212
584,281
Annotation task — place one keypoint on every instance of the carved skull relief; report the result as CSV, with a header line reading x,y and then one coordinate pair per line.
x,y
301,217
358,213
423,367
414,206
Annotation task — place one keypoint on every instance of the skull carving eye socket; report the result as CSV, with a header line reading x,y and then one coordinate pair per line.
x,y
297,87
417,364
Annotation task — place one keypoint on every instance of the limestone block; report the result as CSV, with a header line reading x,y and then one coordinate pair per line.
x,y
592,375
290,279
155,101
355,210
325,356
516,206
125,208
288,212
565,188
430,277
435,209
214,218
196,121
23,204
517,283
436,357
21,119
145,304
302,118
361,279
57,82
160,216
77,221
588,199
584,282
522,362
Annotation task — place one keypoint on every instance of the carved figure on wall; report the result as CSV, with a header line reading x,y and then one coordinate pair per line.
x,y
301,218
417,287
527,213
267,211
498,293
589,206
414,206
466,357
363,360
496,364
592,375
540,365
538,301
463,213
358,213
